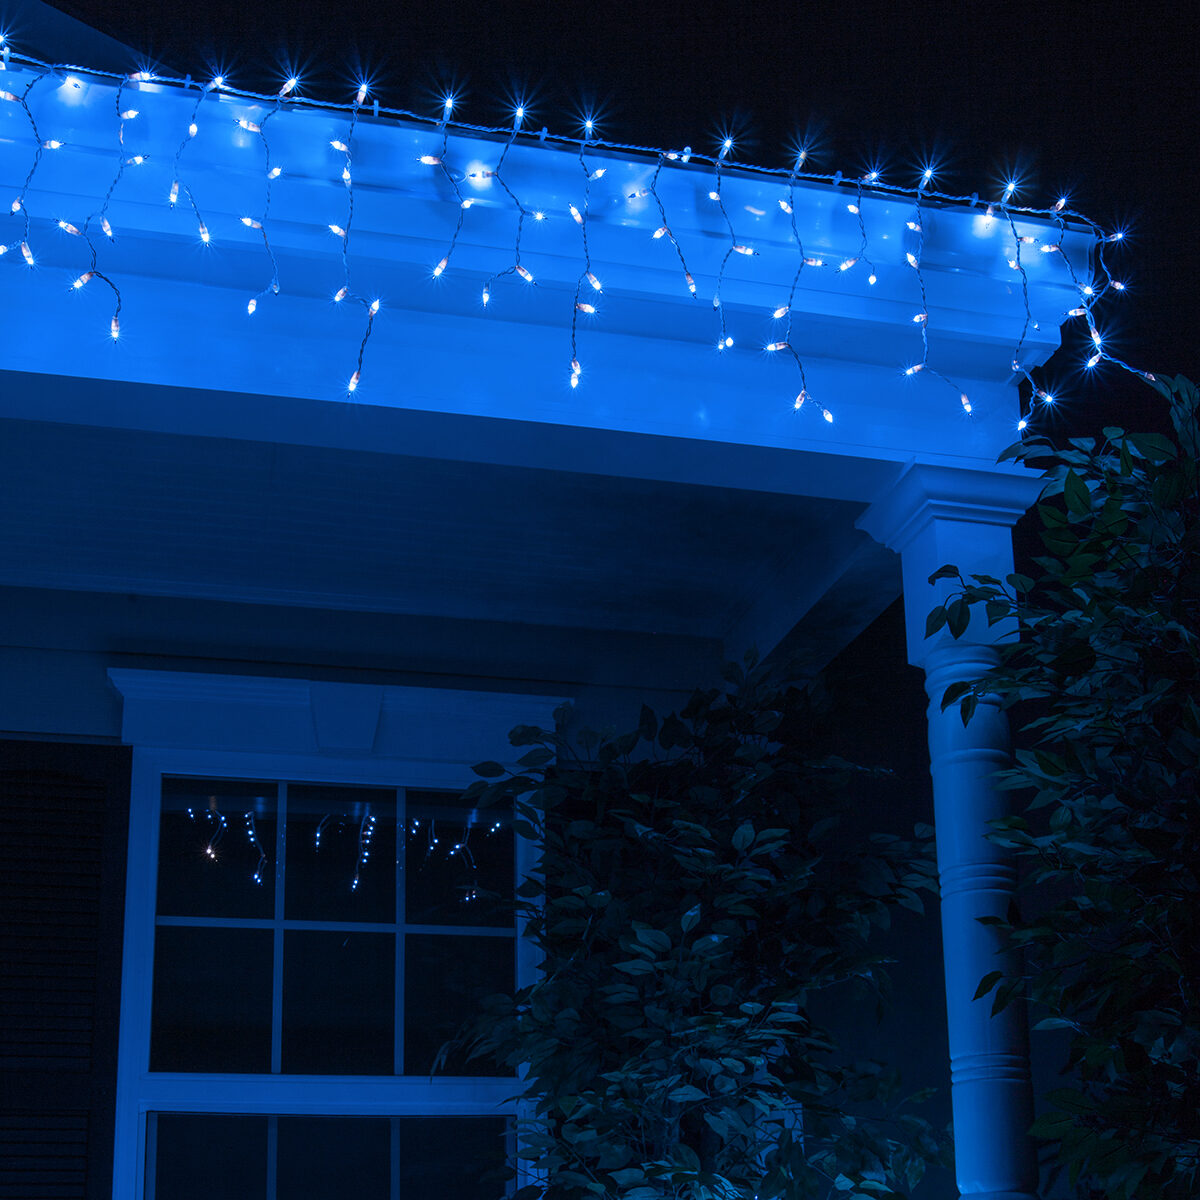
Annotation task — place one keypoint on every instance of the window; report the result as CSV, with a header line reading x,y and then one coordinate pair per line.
x,y
305,926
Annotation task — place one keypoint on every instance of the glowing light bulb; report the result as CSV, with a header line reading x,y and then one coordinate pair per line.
x,y
586,308
915,368
16,205
827,415
8,96
3,250
431,160
575,214
846,264
253,304
852,208
440,267
639,193
726,146
787,208
274,172
67,227
780,312
1095,335
588,125
135,161
661,231
251,223
814,262
576,369
926,175
920,317
1119,236
374,307
218,81
598,173
1049,247
83,280
965,401
574,380
1012,262
337,229
52,144
249,126
691,283
1026,239
1118,285
486,296
912,260
106,227
1060,204
913,226
519,114
114,329
1087,290
524,274
728,342
773,346
872,279
205,236
798,404
129,114
448,105
340,295
350,387
594,281
1009,188
714,195
1091,362
346,176
289,86
174,194
339,145
1022,424
468,202
360,97
539,216
747,250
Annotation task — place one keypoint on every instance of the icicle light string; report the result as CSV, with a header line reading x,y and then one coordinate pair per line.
x,y
346,291
192,129
366,830
252,837
1089,293
580,217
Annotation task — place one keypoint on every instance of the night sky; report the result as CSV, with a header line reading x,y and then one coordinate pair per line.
x,y
1098,100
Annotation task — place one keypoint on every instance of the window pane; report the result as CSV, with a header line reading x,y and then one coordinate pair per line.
x,y
452,1158
215,860
458,862
329,830
338,999
212,1000
445,978
202,1157
333,1158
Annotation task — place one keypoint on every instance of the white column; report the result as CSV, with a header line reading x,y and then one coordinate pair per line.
x,y
934,516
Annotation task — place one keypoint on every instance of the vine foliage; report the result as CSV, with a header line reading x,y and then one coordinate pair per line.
x,y
1108,660
695,892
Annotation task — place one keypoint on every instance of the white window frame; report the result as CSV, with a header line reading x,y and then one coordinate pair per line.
x,y
298,731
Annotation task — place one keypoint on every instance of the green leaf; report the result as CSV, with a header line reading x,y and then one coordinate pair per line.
x,y
690,919
686,1093
743,836
1076,495
986,984
489,770
935,620
958,617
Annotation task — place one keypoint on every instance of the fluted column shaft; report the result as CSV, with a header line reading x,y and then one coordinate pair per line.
x,y
989,1055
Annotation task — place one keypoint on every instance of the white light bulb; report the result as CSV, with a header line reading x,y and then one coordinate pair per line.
x,y
781,311
440,267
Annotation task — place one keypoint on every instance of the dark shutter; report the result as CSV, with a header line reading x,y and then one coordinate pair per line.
x,y
63,822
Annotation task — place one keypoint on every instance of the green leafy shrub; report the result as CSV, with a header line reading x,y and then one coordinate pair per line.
x,y
694,891
1109,658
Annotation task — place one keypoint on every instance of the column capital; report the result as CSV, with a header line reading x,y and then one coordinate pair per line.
x,y
934,514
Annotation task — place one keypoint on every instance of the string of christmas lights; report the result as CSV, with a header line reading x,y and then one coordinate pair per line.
x,y
1092,287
